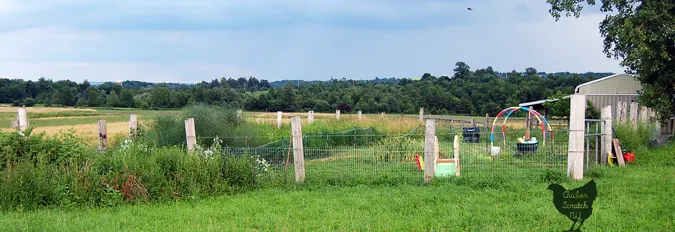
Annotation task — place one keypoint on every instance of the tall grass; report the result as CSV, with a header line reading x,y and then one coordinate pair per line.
x,y
59,171
633,137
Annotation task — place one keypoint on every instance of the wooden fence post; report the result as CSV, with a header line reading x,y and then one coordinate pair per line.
x,y
310,117
644,114
633,113
279,119
133,126
421,114
298,152
337,114
22,120
190,135
618,111
360,115
240,114
102,135
606,116
575,157
456,152
429,153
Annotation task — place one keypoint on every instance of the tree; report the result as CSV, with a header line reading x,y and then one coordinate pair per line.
x,y
94,97
161,97
287,96
462,70
113,100
126,98
641,34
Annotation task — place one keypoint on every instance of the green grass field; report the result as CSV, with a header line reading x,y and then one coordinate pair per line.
x,y
634,198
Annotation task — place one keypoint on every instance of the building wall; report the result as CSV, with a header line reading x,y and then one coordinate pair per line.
x,y
600,101
620,84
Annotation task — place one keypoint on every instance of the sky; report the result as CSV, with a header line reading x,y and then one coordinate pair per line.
x,y
190,41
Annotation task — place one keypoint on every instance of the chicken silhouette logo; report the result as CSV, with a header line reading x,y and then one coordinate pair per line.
x,y
575,204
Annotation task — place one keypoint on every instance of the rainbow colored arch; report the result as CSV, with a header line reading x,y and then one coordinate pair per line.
x,y
542,120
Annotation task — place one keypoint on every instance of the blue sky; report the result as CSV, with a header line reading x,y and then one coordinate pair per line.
x,y
191,41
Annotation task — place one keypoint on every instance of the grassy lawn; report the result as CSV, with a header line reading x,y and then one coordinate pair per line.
x,y
635,198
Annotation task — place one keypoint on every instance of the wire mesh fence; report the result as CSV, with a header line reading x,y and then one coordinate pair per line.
x,y
365,156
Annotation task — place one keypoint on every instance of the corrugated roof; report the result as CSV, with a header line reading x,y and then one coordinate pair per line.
x,y
576,90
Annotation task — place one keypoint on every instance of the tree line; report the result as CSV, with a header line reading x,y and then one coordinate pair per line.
x,y
467,92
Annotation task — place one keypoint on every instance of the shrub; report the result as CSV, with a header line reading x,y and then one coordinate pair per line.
x,y
29,102
16,103
210,122
40,171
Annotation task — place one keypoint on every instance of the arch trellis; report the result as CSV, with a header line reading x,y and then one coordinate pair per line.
x,y
508,111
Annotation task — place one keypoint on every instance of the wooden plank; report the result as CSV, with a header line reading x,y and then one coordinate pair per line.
x,y
633,113
279,114
102,135
337,114
429,153
133,126
360,115
575,160
298,151
421,114
456,152
606,116
190,134
310,117
619,153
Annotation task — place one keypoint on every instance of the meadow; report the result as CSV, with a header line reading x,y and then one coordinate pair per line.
x,y
360,175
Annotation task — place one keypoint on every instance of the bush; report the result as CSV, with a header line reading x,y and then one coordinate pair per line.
x,y
29,102
16,103
40,171
210,122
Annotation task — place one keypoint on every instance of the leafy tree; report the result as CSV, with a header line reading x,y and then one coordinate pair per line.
x,y
641,34
161,97
94,97
288,97
127,98
113,100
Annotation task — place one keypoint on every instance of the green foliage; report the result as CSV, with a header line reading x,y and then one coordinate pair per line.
x,y
161,97
640,34
126,98
95,98
397,149
113,100
39,171
561,107
210,122
28,102
634,137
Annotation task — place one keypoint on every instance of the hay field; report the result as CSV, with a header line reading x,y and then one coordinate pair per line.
x,y
52,120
